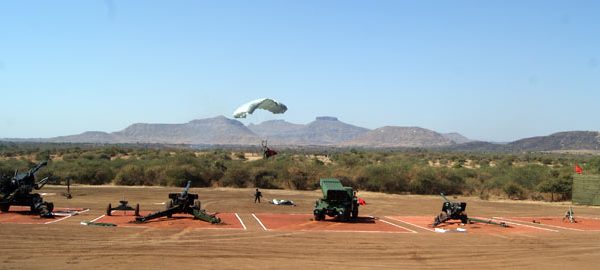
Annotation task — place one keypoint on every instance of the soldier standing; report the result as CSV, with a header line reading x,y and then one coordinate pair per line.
x,y
257,196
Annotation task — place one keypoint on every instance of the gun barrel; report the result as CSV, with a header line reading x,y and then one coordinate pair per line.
x,y
42,183
444,197
38,167
187,188
164,213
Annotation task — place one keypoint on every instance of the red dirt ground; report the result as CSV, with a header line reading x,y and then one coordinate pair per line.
x,y
68,245
424,223
583,224
22,215
304,222
181,221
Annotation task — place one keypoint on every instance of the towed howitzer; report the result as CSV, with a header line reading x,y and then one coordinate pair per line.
x,y
17,191
185,203
456,211
451,210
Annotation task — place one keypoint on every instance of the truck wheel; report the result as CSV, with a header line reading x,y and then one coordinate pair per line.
x,y
319,216
355,213
347,214
109,210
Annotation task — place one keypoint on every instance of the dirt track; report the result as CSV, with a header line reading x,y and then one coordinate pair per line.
x,y
67,244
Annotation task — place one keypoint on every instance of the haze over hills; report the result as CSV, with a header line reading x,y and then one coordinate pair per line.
x,y
323,131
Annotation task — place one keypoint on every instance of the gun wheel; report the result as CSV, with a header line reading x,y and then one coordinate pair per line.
x,y
4,207
169,205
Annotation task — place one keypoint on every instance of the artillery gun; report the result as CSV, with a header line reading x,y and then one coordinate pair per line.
x,y
338,201
17,191
456,211
185,203
123,206
451,210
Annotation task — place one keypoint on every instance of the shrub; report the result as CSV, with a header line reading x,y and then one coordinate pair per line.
x,y
514,191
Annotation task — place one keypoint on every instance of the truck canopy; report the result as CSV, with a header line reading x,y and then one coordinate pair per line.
x,y
333,190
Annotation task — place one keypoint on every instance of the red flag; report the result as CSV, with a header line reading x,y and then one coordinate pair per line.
x,y
578,170
361,201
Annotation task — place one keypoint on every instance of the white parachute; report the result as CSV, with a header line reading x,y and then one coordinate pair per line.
x,y
263,103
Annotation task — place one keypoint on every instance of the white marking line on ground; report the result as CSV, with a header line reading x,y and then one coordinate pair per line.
x,y
396,225
547,225
411,224
94,220
238,217
498,235
261,224
57,220
341,231
61,219
519,224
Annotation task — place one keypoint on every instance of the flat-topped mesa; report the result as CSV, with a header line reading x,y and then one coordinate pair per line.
x,y
326,118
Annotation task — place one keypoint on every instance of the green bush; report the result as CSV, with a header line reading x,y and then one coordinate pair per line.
x,y
514,191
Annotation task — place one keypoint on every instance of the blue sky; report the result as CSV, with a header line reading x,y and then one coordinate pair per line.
x,y
490,70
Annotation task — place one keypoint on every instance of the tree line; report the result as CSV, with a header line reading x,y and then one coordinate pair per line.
x,y
538,176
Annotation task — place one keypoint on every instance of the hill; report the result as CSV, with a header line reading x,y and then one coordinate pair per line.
x,y
276,130
456,137
391,136
323,131
570,140
217,130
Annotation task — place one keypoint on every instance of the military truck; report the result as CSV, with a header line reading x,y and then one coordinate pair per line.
x,y
338,201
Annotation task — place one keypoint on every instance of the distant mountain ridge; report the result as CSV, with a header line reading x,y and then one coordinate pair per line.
x,y
390,136
570,140
220,130
216,130
323,131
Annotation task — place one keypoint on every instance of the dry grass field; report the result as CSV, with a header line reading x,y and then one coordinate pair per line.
x,y
69,245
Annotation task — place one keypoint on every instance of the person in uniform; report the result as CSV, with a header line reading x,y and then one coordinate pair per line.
x,y
257,196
